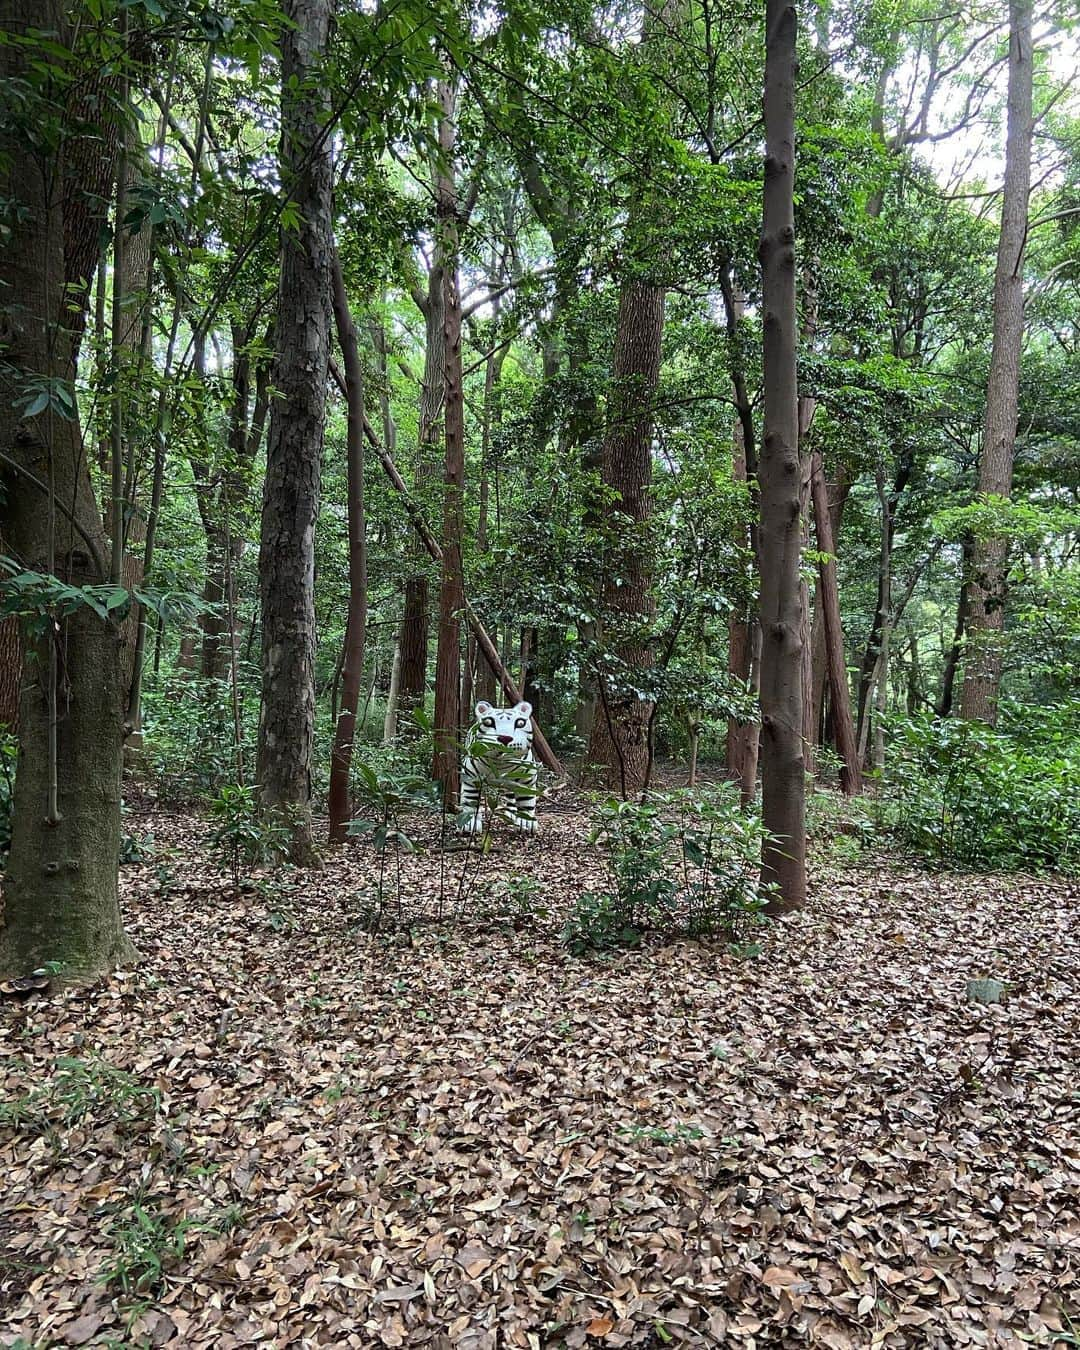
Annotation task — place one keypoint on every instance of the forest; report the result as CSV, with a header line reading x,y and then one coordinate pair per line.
x,y
539,673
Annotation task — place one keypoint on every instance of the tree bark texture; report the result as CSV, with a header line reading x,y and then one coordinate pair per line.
x,y
836,493
10,672
829,604
60,901
413,638
620,737
986,597
294,447
445,768
340,808
782,762
744,631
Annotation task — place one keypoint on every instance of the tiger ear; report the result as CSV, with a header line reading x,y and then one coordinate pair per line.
x,y
524,709
482,708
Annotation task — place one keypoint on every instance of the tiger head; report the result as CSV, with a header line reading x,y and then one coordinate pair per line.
x,y
508,727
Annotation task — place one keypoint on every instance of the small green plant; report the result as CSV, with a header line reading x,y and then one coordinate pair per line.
x,y
679,1134
146,1245
680,863
134,849
80,1088
387,799
241,837
599,923
513,900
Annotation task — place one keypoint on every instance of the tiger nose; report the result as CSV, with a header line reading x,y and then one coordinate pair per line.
x,y
506,740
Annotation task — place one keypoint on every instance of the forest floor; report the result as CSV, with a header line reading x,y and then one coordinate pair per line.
x,y
282,1130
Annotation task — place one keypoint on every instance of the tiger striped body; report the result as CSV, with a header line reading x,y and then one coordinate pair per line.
x,y
498,773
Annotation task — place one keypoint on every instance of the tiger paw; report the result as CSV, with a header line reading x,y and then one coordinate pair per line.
x,y
471,824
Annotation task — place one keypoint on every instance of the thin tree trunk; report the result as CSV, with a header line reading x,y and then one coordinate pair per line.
x,y
340,807
744,632
837,493
829,603
952,656
889,505
415,618
445,767
783,770
390,717
987,595
294,449
60,901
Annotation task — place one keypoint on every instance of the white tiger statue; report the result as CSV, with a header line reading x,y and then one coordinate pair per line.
x,y
499,768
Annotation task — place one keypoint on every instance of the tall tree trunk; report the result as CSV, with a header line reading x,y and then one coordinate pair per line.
x,y
61,901
836,494
340,807
829,603
986,598
294,449
623,718
744,631
807,409
416,607
620,737
783,772
445,768
890,502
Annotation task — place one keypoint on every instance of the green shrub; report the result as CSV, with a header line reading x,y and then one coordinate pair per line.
x,y
680,863
241,837
1003,798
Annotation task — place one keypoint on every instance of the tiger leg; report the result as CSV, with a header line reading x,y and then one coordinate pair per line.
x,y
472,810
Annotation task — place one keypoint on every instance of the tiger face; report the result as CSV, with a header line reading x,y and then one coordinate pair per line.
x,y
509,727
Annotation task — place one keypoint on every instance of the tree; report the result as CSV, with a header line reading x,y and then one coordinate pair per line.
x,y
452,582
829,602
352,666
297,423
783,785
622,723
985,616
61,901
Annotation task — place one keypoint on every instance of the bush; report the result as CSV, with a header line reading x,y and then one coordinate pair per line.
x,y
241,837
680,863
975,796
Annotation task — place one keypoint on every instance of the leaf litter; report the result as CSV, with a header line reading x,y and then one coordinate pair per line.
x,y
283,1129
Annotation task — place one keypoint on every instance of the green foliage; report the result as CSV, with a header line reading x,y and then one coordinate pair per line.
x,y
513,900
680,863
242,836
147,1242
188,734
80,1088
966,794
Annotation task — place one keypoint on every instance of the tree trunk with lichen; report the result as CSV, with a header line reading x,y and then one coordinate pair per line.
x,y
60,896
294,447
